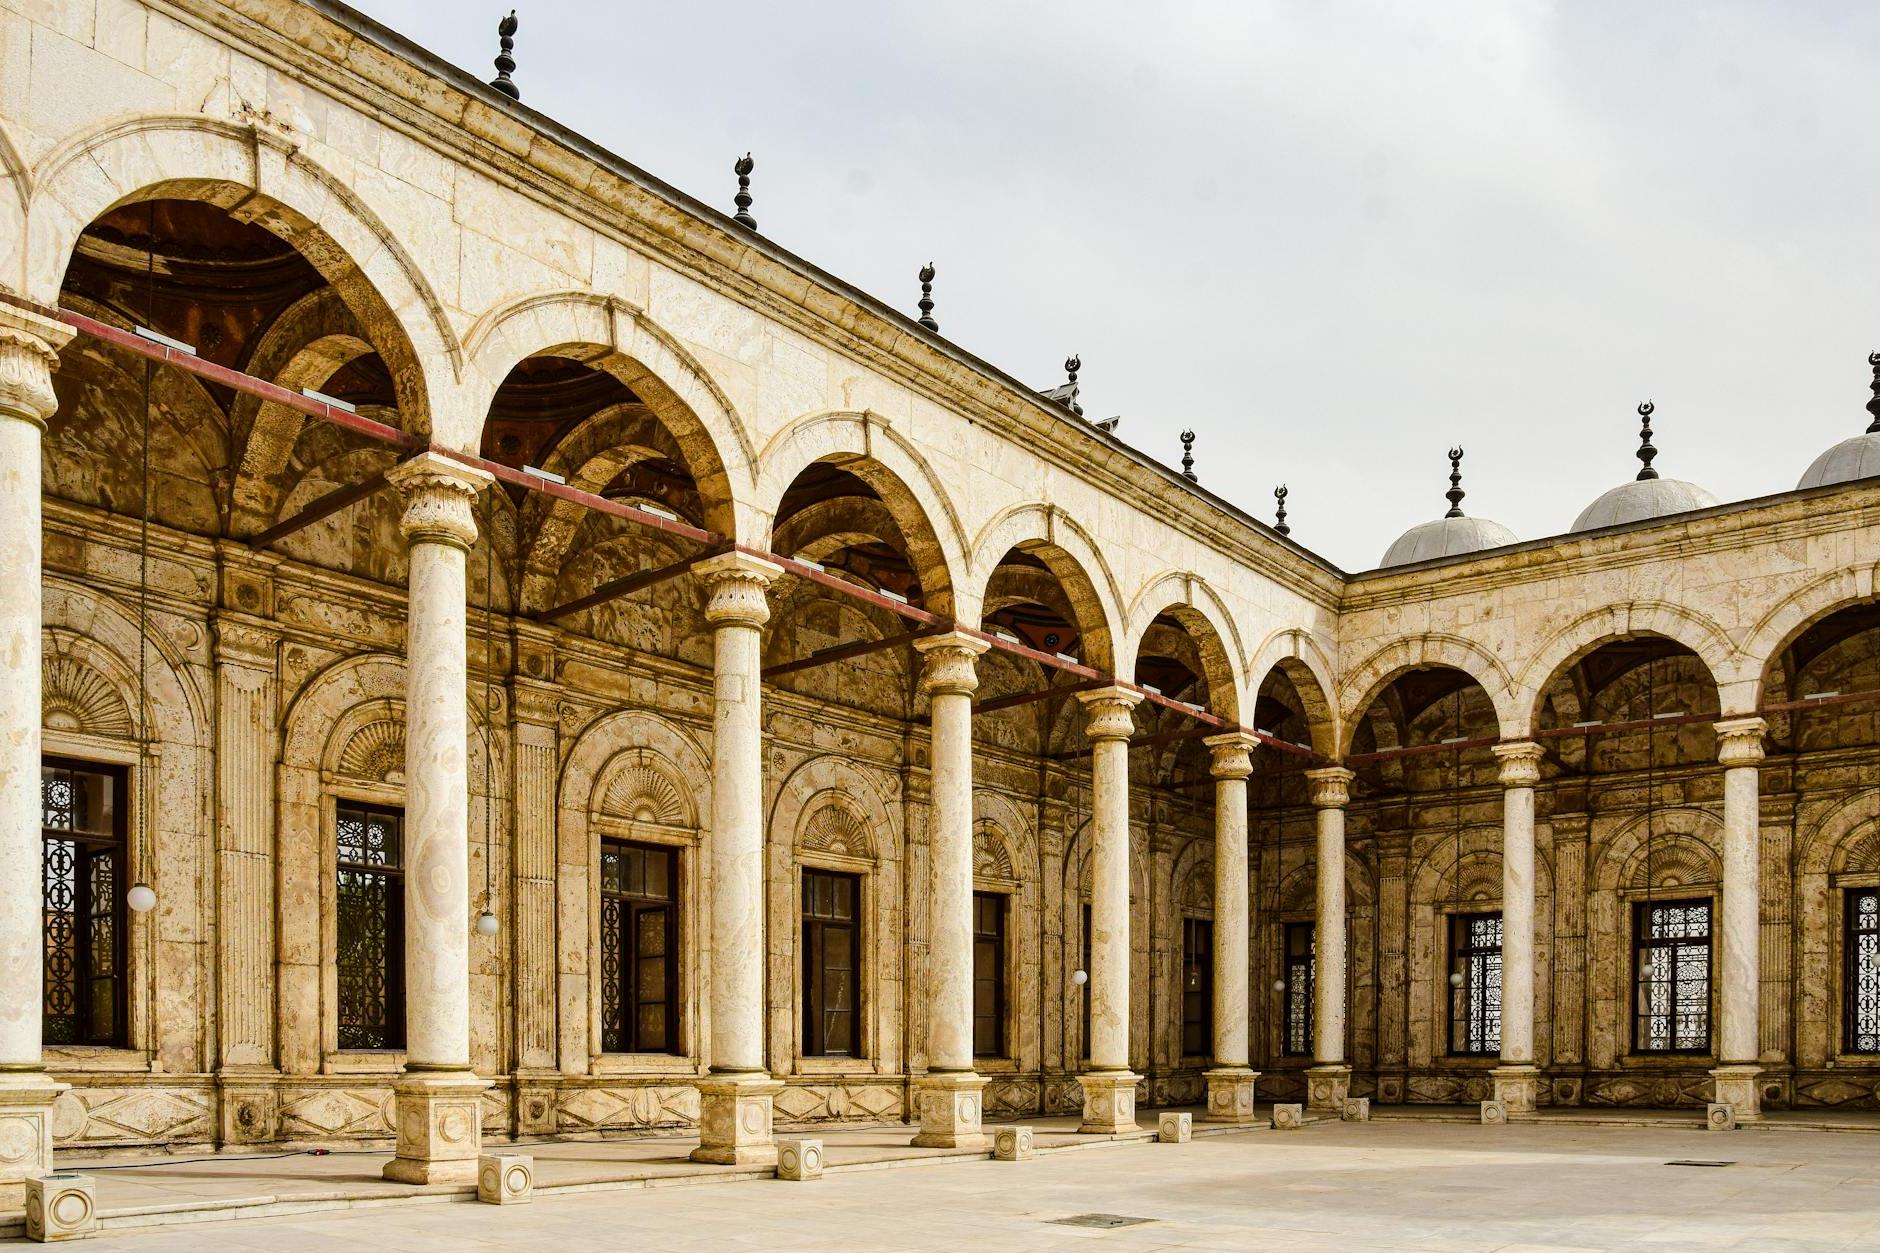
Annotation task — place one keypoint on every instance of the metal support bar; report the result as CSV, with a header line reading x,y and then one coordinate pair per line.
x,y
627,585
843,652
326,506
1043,693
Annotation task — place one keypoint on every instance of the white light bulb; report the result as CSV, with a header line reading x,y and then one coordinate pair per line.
x,y
1279,985
141,898
1079,978
486,923
1455,978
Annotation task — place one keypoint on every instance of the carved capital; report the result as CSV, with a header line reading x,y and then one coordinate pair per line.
x,y
1107,713
738,582
29,353
950,662
1520,763
1233,754
246,643
1740,741
1331,786
440,497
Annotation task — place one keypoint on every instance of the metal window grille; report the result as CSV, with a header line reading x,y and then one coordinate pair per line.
x,y
83,816
1863,971
1300,944
639,948
1475,1002
1672,942
371,917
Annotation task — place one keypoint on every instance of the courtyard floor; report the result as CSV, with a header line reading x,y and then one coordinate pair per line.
x,y
1389,1184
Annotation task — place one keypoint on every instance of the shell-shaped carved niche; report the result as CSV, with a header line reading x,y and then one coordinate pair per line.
x,y
992,856
375,751
1675,862
643,792
1862,852
838,830
74,697
1197,889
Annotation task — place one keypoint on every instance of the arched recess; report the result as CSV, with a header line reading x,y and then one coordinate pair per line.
x,y
1197,608
1625,681
1289,895
1781,626
1005,863
1294,654
1071,555
1694,632
1079,866
1368,678
1838,848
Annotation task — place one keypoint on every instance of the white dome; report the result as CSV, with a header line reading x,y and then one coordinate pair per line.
x,y
1447,537
1857,458
1642,499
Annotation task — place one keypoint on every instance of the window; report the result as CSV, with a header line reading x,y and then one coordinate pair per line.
x,y
1673,1000
85,878
832,939
1863,972
639,948
371,910
1084,992
1475,984
1297,1041
1197,987
988,974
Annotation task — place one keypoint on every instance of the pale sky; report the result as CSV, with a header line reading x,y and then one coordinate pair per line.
x,y
1334,238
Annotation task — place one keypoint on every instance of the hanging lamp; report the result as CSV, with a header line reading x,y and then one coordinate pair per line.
x,y
142,898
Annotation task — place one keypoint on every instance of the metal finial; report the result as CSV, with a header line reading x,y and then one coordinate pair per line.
x,y
1072,364
926,297
1188,456
1645,450
1279,523
506,64
1455,492
743,169
1873,406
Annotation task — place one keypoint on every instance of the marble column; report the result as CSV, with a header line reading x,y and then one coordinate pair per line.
x,y
735,1099
1328,1081
29,347
950,1092
1231,1081
1517,1080
439,1098
1109,1086
1739,1057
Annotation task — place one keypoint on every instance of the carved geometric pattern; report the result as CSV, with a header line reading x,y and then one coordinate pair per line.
x,y
645,793
103,1116
1690,1090
838,830
1676,862
336,1113
817,1103
1863,853
1011,1098
375,751
77,698
595,1109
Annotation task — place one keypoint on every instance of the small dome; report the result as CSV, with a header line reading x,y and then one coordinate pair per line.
x,y
1447,537
1641,499
1857,458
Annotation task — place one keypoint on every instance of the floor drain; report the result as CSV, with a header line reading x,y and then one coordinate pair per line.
x,y
1099,1220
1691,1161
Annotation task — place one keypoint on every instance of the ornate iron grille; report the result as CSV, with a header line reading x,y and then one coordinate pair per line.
x,y
83,819
1863,971
1300,942
1475,1002
988,974
1673,992
831,942
1197,986
639,948
371,917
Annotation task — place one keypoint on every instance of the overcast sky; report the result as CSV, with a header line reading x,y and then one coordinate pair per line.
x,y
1333,238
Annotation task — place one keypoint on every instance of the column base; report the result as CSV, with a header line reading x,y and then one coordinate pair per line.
x,y
1326,1089
26,1098
1518,1088
440,1127
734,1120
1109,1102
1736,1086
951,1109
1230,1094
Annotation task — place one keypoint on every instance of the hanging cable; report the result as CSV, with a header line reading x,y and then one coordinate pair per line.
x,y
487,923
141,897
1455,869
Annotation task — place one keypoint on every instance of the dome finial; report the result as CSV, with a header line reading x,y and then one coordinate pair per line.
x,y
506,64
1072,364
1645,450
926,297
1279,522
742,167
1873,406
1455,492
1188,456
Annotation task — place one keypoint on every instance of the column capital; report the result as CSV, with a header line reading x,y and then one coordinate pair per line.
x,y
738,582
1107,713
1331,786
1520,763
1739,741
29,353
439,493
1233,754
951,659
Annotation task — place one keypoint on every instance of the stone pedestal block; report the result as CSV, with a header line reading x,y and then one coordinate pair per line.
x,y
1357,1109
1013,1144
1326,1089
535,1110
1230,1094
1109,1102
799,1160
734,1120
1719,1116
60,1206
1517,1087
1174,1128
26,1098
250,1112
1737,1087
440,1127
1494,1113
1288,1117
505,1178
951,1107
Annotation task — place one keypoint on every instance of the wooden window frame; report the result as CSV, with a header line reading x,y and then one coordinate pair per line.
x,y
87,847
394,875
1472,962
812,931
1001,905
633,905
1198,962
1851,971
1295,974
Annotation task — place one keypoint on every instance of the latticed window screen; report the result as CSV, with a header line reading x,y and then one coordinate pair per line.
x,y
1475,1002
371,921
1297,1041
1673,992
1197,986
832,936
989,974
639,948
83,824
1863,971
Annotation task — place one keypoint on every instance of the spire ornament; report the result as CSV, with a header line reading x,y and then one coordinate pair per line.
x,y
1455,492
1645,450
1072,364
1188,456
1279,521
1873,406
926,297
742,168
506,64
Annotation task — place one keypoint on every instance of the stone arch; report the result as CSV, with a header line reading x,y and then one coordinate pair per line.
x,y
1772,634
1629,620
1845,839
1297,655
1004,849
18,177
1191,881
1365,681
1682,853
261,177
1202,614
632,762
1297,890
1073,556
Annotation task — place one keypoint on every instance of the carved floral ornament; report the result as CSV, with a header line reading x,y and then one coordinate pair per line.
x,y
838,831
1107,713
738,583
1331,786
28,356
642,792
440,498
1233,754
75,697
992,857
951,663
1520,763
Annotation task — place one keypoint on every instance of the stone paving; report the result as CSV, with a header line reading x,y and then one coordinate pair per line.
x,y
1385,1185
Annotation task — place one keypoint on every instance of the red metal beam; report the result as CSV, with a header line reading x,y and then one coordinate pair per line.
x,y
327,505
627,586
843,652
